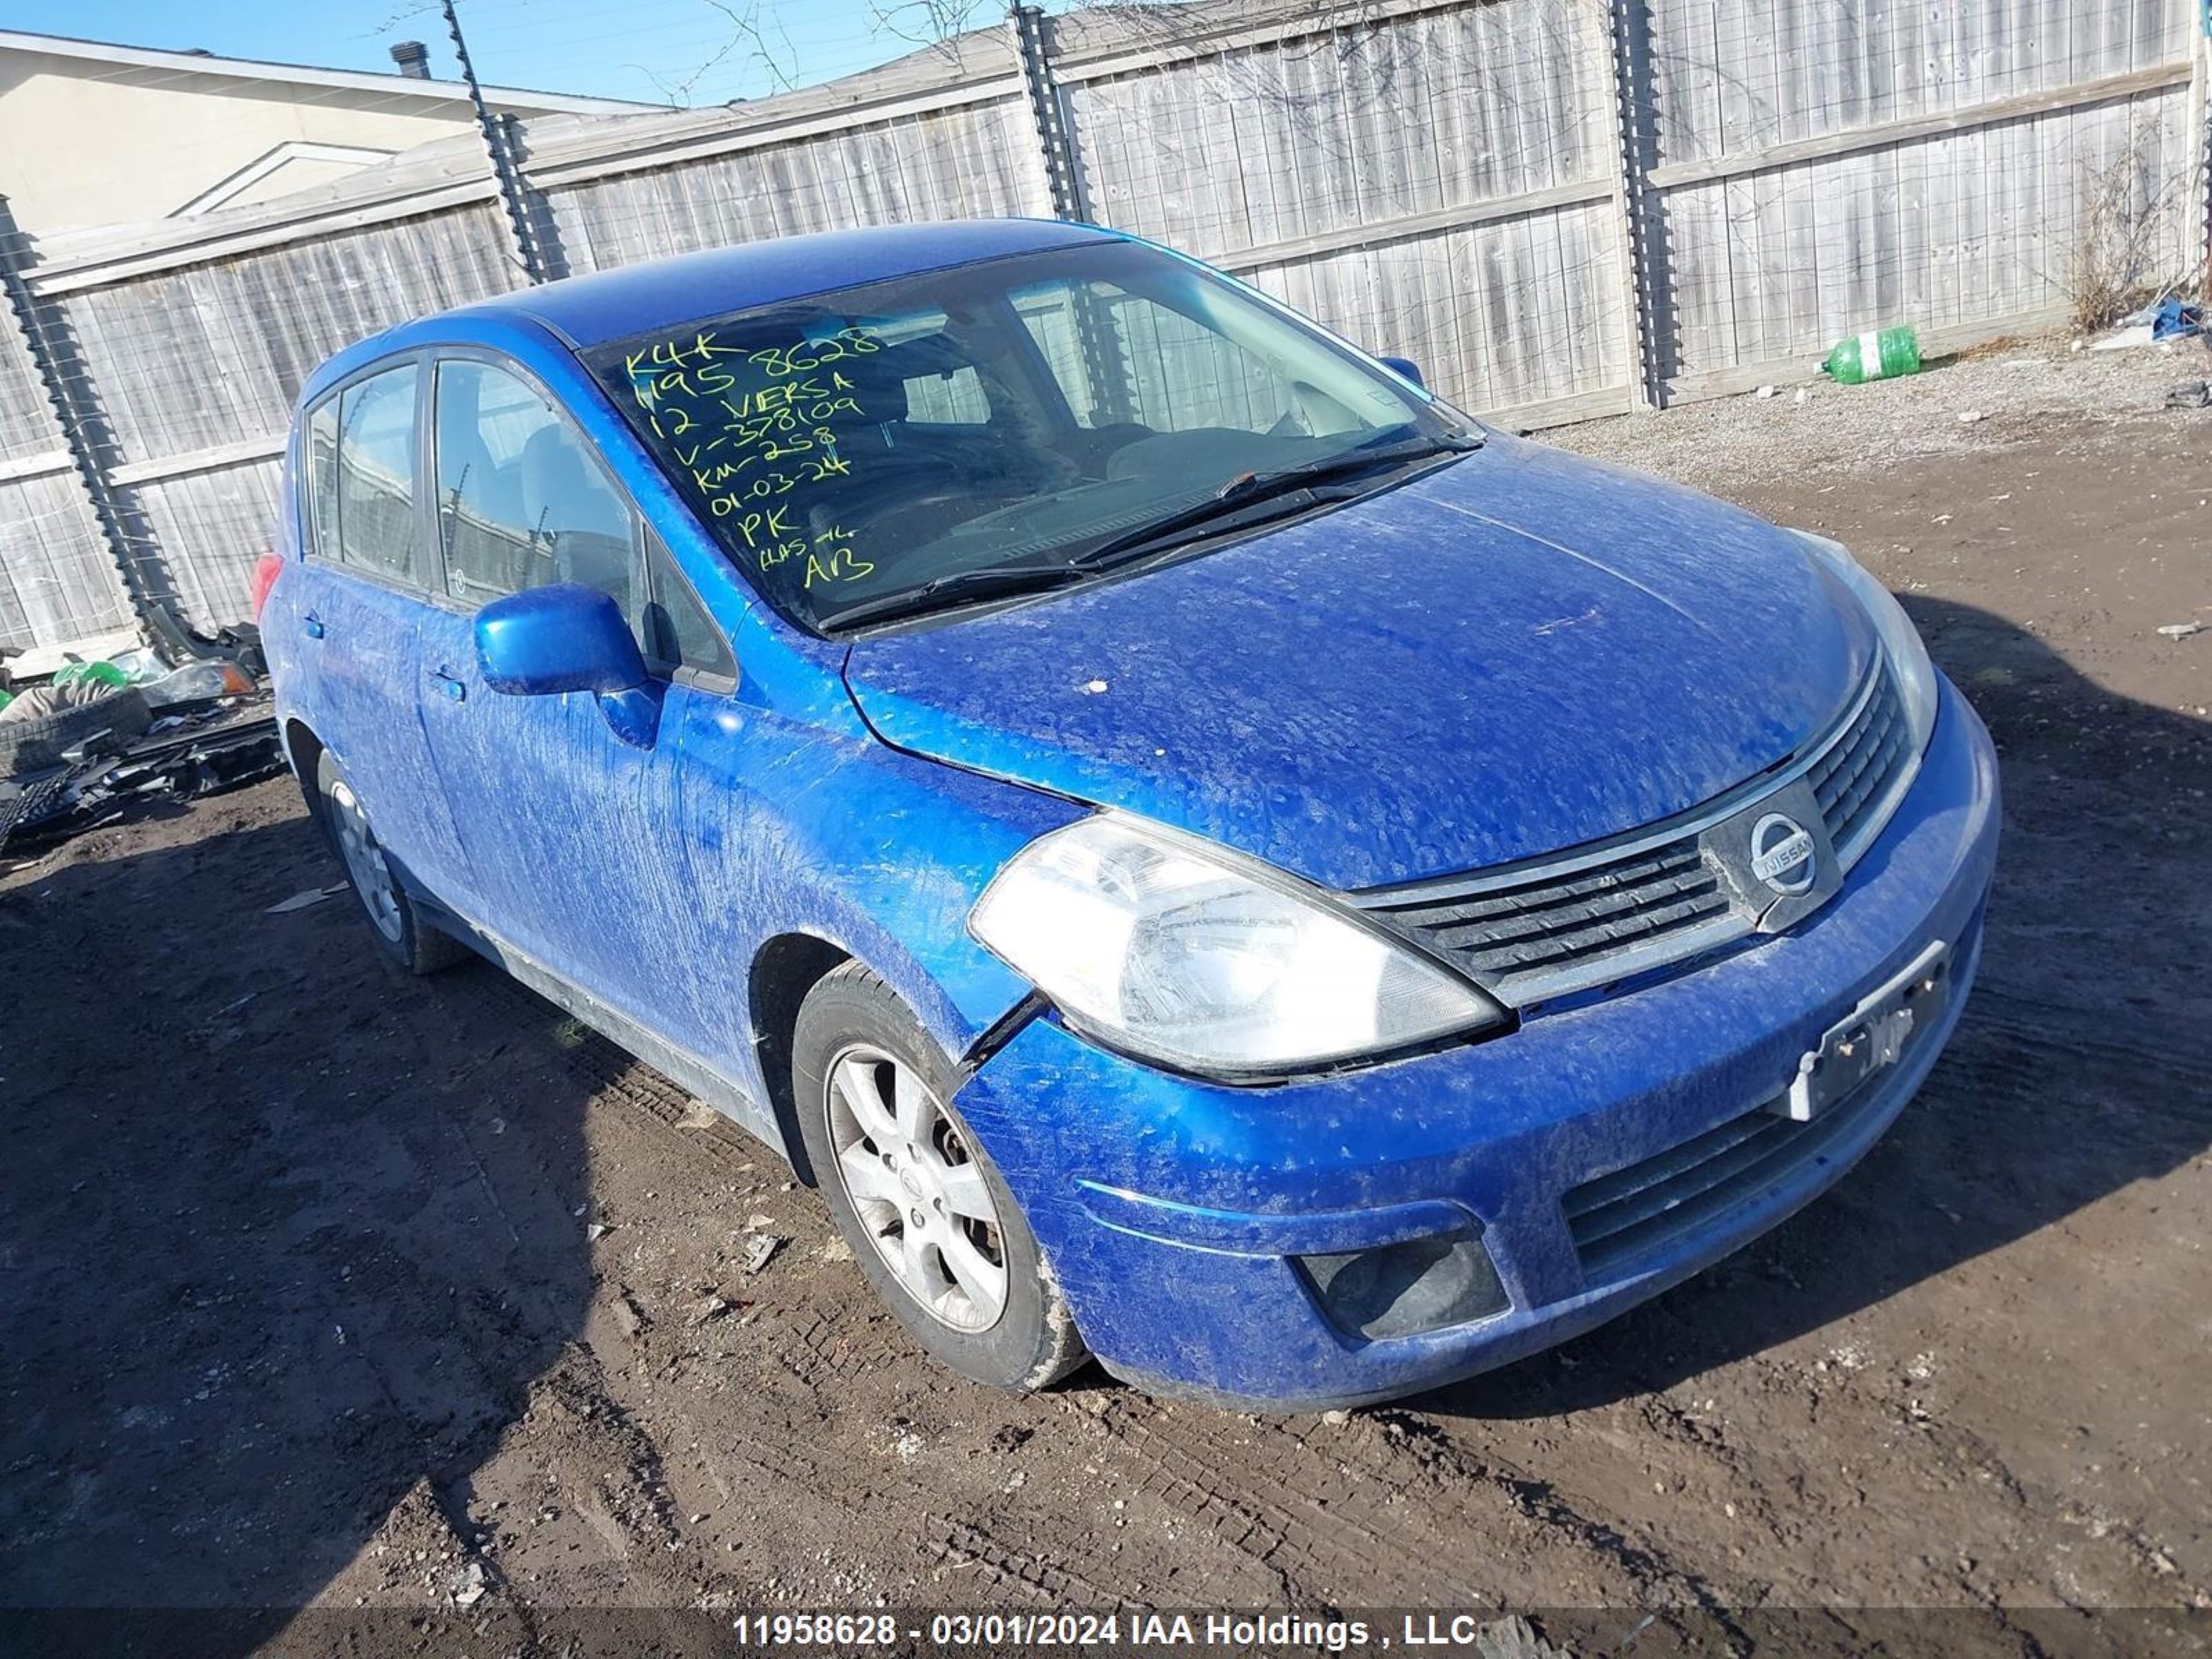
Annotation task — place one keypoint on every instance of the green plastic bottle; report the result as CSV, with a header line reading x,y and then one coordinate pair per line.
x,y
94,673
1877,355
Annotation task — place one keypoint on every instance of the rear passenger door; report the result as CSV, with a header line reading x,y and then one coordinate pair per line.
x,y
369,567
573,835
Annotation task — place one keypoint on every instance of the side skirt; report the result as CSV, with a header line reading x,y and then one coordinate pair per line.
x,y
678,1065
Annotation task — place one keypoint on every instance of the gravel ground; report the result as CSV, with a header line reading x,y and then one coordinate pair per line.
x,y
334,1289
2005,392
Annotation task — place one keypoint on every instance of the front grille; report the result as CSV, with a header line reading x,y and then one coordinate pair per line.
x,y
1620,1217
1549,923
1581,920
1852,778
21,808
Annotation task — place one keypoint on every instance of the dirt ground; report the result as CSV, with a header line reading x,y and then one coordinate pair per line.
x,y
327,1286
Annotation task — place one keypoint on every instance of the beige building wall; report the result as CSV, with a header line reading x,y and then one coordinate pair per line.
x,y
86,143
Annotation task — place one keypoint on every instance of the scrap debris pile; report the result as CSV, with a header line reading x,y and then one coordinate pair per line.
x,y
99,738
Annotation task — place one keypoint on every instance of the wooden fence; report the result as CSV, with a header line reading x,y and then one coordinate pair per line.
x,y
1561,207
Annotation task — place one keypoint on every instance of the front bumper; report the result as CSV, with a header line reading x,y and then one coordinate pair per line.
x,y
1170,1210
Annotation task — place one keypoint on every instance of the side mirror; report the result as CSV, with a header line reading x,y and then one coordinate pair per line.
x,y
1407,369
567,637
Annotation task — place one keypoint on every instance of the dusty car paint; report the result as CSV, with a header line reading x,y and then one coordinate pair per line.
x,y
1517,653
1514,654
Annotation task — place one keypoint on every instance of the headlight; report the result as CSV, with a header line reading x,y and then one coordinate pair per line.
x,y
1916,675
1182,953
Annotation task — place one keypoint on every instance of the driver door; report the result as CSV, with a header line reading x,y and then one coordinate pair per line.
x,y
573,835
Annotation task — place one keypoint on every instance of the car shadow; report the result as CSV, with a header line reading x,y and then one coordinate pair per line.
x,y
2083,1062
290,1237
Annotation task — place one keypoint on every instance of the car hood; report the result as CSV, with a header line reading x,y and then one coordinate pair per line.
x,y
1513,654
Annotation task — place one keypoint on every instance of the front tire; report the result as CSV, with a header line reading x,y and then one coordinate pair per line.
x,y
405,938
929,1218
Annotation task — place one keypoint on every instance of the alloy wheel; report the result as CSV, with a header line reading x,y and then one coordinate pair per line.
x,y
364,861
917,1188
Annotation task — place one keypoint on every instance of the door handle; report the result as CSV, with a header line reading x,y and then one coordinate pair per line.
x,y
453,685
313,624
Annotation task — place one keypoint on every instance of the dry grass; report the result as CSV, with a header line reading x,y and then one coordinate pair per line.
x,y
2121,240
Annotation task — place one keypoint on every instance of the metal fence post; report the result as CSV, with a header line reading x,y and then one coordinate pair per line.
x,y
2200,79
537,210
518,222
68,392
1645,275
1047,110
1103,364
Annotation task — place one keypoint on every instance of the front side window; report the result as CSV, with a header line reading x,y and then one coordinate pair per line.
x,y
678,632
374,525
905,445
522,501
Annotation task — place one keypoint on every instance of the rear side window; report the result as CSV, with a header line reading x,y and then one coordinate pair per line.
x,y
1181,374
322,478
522,501
375,497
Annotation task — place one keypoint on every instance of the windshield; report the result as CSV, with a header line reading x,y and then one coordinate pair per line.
x,y
903,445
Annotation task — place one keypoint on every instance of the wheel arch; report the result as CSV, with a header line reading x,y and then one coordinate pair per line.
x,y
303,753
784,969
302,747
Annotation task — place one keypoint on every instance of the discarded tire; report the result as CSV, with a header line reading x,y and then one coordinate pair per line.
x,y
32,742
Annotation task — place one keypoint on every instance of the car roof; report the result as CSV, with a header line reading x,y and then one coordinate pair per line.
x,y
585,312
613,305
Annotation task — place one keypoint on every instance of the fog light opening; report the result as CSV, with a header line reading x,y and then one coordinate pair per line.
x,y
1404,1288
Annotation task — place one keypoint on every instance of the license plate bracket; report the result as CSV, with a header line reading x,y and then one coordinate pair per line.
x,y
1872,1037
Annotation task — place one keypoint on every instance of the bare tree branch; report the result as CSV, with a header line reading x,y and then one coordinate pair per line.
x,y
758,39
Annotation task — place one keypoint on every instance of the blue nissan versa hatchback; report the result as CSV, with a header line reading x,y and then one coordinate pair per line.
x,y
1206,855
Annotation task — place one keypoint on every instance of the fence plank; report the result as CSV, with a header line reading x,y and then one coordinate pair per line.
x,y
1443,177
1881,135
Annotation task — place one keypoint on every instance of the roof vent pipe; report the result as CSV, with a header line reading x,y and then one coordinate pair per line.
x,y
413,58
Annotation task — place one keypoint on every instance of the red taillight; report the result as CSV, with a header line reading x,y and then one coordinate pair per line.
x,y
266,569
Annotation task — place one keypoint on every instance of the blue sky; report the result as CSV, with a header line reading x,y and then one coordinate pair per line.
x,y
695,52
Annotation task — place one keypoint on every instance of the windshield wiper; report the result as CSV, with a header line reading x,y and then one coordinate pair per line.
x,y
957,584
1251,488
1360,458
1253,497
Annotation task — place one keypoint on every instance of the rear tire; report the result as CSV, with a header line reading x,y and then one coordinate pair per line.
x,y
929,1218
401,934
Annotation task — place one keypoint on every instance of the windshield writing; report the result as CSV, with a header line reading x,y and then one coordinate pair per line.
x,y
751,429
937,437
